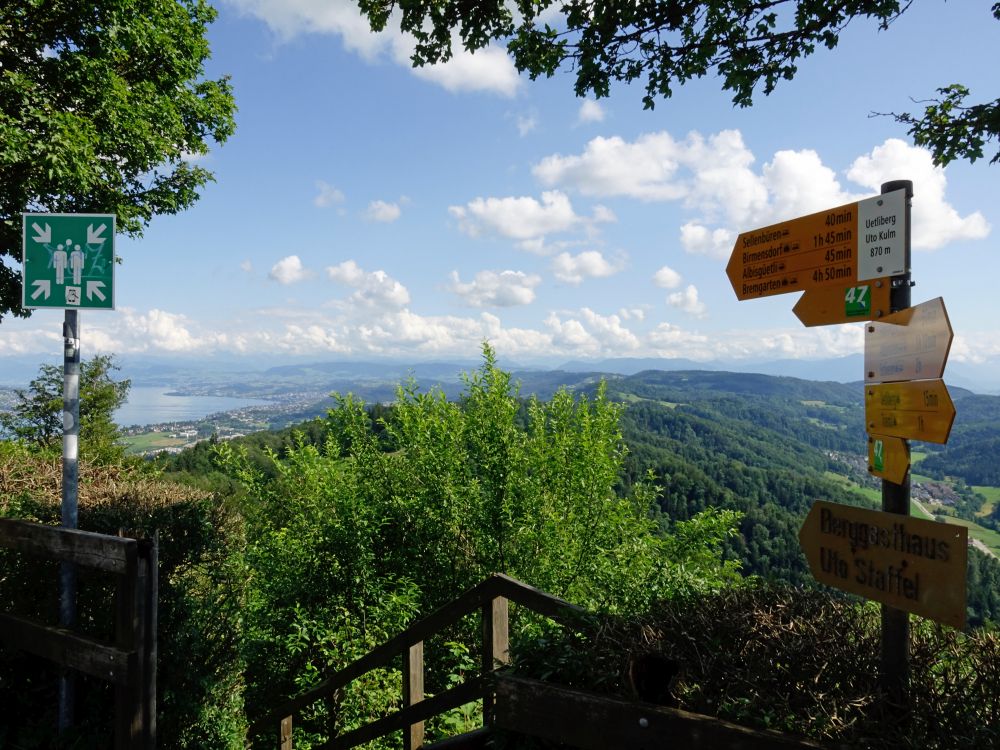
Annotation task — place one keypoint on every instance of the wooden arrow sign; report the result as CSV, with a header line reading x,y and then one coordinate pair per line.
x,y
908,345
912,409
829,305
888,457
837,247
908,563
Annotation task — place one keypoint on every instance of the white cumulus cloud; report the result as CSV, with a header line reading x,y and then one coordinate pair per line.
x,y
289,270
573,269
687,300
327,195
382,212
375,288
667,278
590,111
496,288
487,70
644,169
519,218
935,222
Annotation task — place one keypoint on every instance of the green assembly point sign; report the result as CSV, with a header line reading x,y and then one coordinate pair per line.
x,y
69,261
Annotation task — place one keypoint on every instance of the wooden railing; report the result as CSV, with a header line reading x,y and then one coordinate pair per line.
x,y
491,598
129,663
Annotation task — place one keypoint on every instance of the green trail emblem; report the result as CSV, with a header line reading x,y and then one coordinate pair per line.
x,y
69,261
879,454
857,301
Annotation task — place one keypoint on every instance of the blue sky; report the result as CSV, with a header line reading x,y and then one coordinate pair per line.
x,y
365,210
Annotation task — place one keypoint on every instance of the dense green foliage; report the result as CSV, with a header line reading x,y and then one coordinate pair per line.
x,y
101,102
37,415
359,535
780,658
751,45
202,584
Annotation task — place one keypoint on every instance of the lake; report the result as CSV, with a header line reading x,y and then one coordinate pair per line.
x,y
153,405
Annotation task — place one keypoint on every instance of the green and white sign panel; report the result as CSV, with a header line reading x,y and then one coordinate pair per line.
x,y
69,261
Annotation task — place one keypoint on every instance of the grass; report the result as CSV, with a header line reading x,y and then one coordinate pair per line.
x,y
151,441
992,495
869,492
987,536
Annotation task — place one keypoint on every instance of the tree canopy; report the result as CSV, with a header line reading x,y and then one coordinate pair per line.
x,y
752,45
103,104
37,415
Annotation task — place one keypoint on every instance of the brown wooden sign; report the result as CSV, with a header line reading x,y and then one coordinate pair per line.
x,y
838,247
913,409
908,563
888,457
829,305
908,345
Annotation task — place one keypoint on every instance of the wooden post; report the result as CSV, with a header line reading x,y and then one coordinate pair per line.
x,y
496,646
150,647
128,637
285,734
413,693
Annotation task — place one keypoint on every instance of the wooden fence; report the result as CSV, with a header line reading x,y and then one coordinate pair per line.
x,y
529,707
130,662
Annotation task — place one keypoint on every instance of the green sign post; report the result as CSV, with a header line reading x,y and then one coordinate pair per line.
x,y
69,261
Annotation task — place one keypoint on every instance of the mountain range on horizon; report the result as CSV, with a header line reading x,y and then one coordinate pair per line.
x,y
17,371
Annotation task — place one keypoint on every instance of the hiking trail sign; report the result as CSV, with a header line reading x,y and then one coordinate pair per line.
x,y
68,261
830,305
908,563
911,344
838,247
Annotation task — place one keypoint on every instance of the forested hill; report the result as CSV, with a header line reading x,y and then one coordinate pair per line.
x,y
759,444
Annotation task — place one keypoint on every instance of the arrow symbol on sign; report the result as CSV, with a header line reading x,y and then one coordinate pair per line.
x,y
94,235
94,289
43,286
43,235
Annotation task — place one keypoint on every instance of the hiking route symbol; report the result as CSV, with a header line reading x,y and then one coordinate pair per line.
x,y
69,261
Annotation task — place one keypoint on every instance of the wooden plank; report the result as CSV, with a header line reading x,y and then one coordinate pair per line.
x,y
596,722
469,691
285,734
67,648
152,557
496,645
413,693
107,553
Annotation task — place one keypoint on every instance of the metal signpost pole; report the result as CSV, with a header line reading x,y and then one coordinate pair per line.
x,y
895,663
71,469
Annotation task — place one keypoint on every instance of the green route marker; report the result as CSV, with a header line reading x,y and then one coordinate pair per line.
x,y
69,261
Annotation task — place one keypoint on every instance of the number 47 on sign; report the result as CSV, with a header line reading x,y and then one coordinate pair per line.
x,y
838,304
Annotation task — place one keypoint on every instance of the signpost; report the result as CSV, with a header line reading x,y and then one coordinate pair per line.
x,y
838,247
909,345
69,264
911,409
69,261
888,457
829,305
910,564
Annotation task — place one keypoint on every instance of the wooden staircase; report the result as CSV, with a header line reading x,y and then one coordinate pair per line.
x,y
575,718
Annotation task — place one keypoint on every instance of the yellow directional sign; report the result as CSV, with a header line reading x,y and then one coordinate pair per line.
x,y
837,247
888,457
908,563
908,345
913,409
829,305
